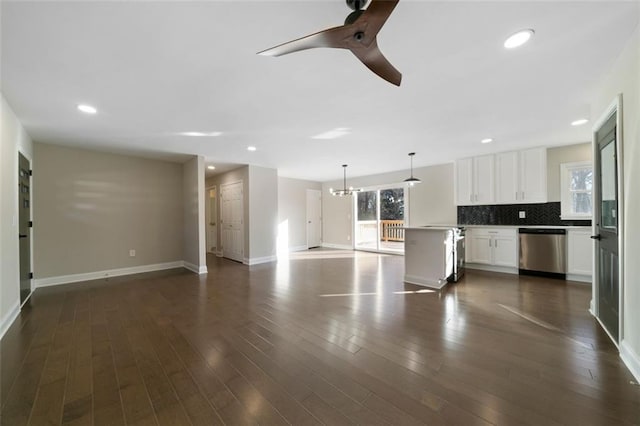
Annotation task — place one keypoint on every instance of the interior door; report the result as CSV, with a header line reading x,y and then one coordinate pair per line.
x,y
314,218
212,219
24,228
607,269
232,213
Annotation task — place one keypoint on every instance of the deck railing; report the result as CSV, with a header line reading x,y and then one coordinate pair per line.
x,y
392,230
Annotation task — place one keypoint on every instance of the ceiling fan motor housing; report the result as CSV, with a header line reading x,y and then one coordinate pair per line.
x,y
356,4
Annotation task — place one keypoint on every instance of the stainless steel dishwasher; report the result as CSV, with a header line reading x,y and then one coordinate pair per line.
x,y
543,251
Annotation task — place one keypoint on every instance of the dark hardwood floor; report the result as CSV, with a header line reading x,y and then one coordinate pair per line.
x,y
328,337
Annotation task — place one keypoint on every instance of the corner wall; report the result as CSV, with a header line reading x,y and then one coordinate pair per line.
x,y
292,212
13,139
193,215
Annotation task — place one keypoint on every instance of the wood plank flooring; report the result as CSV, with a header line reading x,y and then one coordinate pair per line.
x,y
326,337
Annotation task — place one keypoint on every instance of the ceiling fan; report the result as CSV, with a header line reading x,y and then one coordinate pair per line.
x,y
358,34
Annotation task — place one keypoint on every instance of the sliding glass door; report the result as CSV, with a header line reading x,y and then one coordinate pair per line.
x,y
380,219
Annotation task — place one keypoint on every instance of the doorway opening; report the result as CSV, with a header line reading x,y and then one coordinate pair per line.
x,y
24,226
380,216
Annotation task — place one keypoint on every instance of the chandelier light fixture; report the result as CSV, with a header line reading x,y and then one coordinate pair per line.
x,y
344,191
412,180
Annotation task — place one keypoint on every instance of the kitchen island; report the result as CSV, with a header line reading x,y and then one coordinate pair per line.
x,y
429,255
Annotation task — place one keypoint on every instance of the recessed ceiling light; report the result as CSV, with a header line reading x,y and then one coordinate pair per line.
x,y
579,122
199,134
251,148
486,140
87,109
211,167
518,39
333,134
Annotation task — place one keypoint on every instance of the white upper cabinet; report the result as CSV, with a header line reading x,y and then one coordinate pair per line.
x,y
521,176
475,181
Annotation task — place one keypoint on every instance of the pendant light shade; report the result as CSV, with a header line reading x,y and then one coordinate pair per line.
x,y
412,180
345,191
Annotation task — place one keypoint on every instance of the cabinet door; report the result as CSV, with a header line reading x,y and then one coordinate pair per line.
x,y
580,252
505,251
480,249
483,172
533,175
507,188
464,182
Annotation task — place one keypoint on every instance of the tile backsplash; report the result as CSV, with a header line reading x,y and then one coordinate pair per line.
x,y
508,214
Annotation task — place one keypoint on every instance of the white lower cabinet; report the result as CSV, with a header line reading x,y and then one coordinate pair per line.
x,y
490,246
580,252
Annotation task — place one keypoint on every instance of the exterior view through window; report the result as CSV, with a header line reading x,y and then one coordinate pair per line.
x,y
379,220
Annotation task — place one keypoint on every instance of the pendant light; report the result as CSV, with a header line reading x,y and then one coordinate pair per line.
x,y
345,190
412,180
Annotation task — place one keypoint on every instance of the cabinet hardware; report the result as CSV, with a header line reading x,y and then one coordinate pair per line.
x,y
596,237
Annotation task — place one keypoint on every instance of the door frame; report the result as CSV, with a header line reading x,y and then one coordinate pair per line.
x,y
354,213
614,108
208,217
242,228
308,192
31,207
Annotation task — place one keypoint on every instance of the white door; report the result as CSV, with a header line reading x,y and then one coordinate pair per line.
x,y
211,210
314,218
232,213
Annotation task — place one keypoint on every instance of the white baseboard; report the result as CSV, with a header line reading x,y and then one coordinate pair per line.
x,y
67,279
298,248
9,318
337,246
259,260
194,268
412,279
631,359
579,278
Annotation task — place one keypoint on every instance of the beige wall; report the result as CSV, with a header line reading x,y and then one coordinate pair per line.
x,y
13,139
91,208
292,210
430,202
193,215
559,155
624,78
263,213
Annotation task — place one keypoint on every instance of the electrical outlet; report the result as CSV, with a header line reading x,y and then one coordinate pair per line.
x,y
132,253
522,214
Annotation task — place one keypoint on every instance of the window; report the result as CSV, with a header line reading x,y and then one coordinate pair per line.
x,y
576,187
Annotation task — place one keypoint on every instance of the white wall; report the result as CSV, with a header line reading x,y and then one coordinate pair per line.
x,y
263,214
292,212
193,215
624,78
13,139
91,208
430,202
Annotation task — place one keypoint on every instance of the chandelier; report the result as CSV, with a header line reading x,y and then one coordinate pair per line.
x,y
344,191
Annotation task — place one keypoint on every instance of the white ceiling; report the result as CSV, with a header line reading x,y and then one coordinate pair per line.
x,y
157,68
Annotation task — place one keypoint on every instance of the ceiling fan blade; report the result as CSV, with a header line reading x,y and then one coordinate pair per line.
x,y
373,58
336,37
